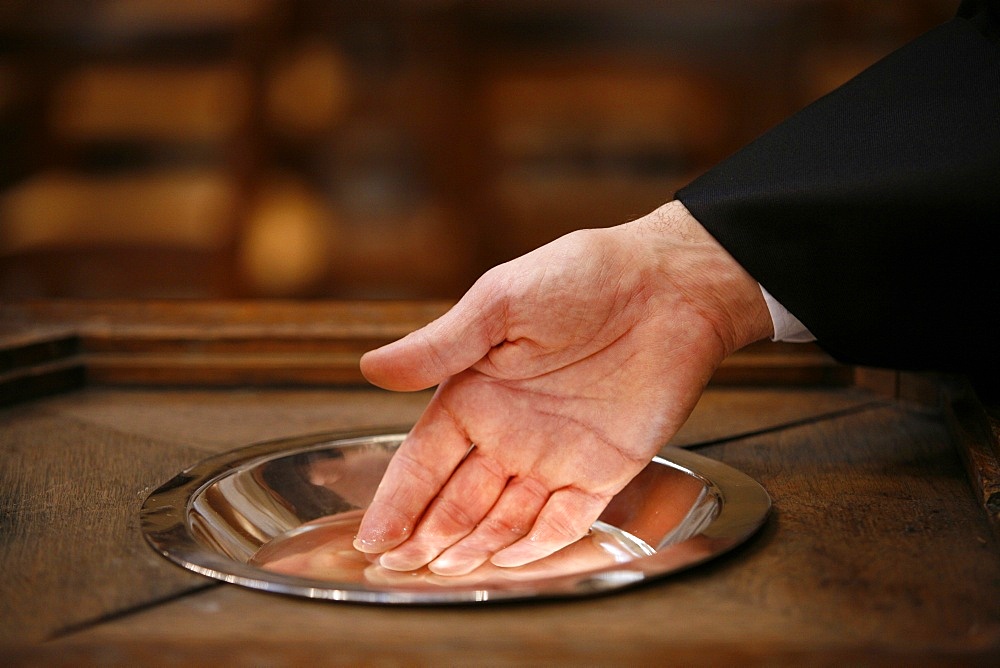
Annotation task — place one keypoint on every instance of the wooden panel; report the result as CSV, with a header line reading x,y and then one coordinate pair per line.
x,y
112,447
220,321
70,494
878,551
875,555
976,430
726,413
212,343
89,445
76,469
306,343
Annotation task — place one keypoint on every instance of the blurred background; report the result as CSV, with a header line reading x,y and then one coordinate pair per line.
x,y
376,149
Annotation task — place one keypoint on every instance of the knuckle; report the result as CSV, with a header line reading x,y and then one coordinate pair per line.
x,y
557,528
568,516
450,517
500,530
413,470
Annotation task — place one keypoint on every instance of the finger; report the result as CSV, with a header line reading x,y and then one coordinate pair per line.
x,y
565,518
464,501
444,347
416,473
508,521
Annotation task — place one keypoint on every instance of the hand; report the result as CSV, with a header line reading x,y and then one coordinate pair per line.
x,y
561,374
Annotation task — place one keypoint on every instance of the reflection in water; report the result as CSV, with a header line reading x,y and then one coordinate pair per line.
x,y
323,550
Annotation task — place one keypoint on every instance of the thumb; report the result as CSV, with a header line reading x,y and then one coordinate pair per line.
x,y
440,349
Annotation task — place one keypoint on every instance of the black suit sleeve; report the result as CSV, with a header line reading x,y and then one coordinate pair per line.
x,y
872,213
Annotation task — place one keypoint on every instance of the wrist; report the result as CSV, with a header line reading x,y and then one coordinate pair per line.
x,y
700,267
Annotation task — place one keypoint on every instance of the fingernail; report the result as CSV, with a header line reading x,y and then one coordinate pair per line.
x,y
393,561
450,566
512,558
379,538
365,545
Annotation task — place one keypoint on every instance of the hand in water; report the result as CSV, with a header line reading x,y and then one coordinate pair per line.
x,y
560,374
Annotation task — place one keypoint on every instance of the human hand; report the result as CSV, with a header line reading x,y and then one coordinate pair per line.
x,y
560,373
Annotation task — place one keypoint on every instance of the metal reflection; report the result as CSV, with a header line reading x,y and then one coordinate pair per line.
x,y
280,516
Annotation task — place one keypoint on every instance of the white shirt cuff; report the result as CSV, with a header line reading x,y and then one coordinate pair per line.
x,y
786,326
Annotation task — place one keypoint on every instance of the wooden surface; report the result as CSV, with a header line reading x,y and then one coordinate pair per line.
x,y
878,551
47,344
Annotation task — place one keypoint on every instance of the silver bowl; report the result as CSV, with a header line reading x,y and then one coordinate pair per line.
x,y
280,516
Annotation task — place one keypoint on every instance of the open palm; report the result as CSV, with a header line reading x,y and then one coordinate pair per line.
x,y
560,375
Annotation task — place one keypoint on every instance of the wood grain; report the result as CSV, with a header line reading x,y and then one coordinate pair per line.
x,y
71,493
976,431
76,469
117,445
875,555
198,343
878,551
260,343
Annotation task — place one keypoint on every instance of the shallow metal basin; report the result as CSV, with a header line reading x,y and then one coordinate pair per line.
x,y
280,516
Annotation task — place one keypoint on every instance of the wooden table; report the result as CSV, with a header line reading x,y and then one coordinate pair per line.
x,y
880,551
